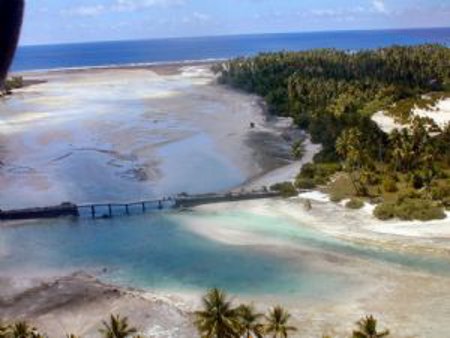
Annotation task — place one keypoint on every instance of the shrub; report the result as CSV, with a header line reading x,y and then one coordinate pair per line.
x,y
298,149
419,209
14,83
409,209
319,173
384,211
308,171
337,197
373,179
354,203
417,181
286,189
389,184
410,194
440,193
304,183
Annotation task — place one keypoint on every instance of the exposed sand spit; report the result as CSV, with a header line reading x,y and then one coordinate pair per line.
x,y
78,304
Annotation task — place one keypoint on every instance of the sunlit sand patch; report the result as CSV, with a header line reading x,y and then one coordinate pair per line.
x,y
385,122
440,113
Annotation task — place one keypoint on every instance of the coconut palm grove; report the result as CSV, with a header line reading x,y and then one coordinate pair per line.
x,y
219,318
333,94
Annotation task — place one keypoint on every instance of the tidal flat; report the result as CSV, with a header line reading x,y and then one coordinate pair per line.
x,y
126,134
105,135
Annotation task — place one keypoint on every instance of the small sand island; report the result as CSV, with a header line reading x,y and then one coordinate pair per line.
x,y
357,143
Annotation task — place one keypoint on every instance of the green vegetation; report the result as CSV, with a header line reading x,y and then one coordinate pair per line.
x,y
15,82
333,94
314,174
409,209
390,184
298,149
286,189
367,328
217,319
354,203
277,324
117,327
249,321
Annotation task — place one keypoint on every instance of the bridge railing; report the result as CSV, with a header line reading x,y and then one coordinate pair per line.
x,y
108,210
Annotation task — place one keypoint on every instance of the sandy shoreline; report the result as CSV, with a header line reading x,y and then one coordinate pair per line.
x,y
412,303
123,122
170,67
406,300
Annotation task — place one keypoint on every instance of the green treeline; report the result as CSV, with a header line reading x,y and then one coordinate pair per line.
x,y
333,94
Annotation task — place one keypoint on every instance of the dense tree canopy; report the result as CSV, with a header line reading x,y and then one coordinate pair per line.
x,y
327,91
333,94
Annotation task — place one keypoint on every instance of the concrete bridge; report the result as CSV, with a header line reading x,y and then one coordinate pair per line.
x,y
109,210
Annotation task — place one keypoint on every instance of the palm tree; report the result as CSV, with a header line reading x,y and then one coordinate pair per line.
x,y
11,14
367,328
21,329
351,147
277,323
117,328
249,321
36,334
4,330
218,319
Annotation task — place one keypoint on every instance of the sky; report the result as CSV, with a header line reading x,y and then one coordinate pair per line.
x,y
68,21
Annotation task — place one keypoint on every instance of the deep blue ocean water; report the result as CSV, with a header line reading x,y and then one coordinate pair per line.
x,y
206,48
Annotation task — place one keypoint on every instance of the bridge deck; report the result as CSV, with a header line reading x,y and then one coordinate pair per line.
x,y
108,210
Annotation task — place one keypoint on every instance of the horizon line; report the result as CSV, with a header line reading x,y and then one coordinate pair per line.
x,y
235,35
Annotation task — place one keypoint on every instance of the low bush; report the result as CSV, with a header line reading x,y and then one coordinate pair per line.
x,y
305,183
440,193
385,211
409,209
15,82
419,209
389,184
336,197
286,189
373,179
319,173
417,182
354,203
411,194
298,150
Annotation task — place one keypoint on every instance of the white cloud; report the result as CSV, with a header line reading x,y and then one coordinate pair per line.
x,y
84,10
120,6
379,6
196,17
133,5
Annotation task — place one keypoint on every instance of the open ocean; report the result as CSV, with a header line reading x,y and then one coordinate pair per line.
x,y
102,54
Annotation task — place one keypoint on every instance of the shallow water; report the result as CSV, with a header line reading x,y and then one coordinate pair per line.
x,y
120,135
162,251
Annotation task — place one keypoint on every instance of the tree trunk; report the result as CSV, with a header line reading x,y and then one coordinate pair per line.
x,y
11,16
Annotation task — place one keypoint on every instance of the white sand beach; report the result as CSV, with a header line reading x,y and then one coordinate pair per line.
x,y
440,114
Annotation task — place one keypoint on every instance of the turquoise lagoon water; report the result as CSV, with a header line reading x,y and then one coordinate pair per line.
x,y
160,252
